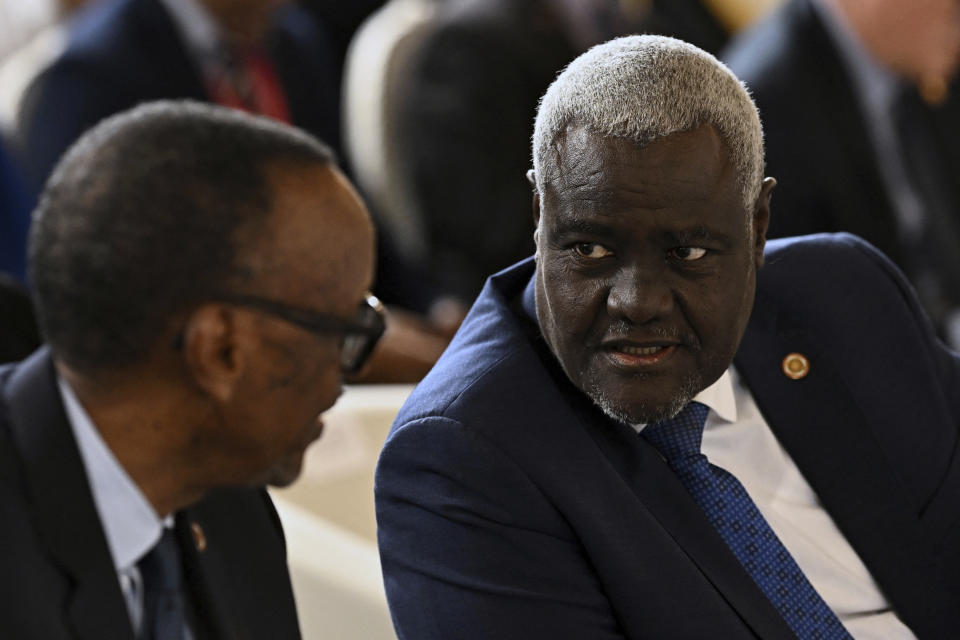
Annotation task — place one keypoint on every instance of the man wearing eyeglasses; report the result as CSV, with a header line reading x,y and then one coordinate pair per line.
x,y
200,277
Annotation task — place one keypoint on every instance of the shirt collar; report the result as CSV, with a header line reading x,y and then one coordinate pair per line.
x,y
129,522
719,396
197,27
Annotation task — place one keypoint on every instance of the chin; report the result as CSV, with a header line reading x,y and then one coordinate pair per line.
x,y
285,473
631,409
280,474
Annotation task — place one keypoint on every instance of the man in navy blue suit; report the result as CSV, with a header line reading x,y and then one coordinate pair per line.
x,y
640,433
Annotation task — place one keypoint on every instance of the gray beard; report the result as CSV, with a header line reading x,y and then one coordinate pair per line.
x,y
690,387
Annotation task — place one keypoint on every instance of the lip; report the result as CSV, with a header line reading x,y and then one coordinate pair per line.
x,y
639,355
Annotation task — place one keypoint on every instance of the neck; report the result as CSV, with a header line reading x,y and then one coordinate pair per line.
x,y
145,427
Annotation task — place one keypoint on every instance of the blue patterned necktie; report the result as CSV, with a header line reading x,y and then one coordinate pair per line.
x,y
741,525
164,614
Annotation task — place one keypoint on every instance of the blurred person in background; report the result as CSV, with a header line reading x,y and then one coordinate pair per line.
x,y
464,119
263,56
861,112
464,108
200,276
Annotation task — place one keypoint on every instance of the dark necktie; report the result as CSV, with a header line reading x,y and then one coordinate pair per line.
x,y
741,525
164,614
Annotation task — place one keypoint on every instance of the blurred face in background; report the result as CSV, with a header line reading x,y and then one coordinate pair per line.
x,y
919,39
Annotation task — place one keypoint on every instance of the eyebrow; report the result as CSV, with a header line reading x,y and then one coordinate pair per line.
x,y
697,234
586,227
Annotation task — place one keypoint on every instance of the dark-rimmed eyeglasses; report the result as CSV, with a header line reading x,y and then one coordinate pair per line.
x,y
360,333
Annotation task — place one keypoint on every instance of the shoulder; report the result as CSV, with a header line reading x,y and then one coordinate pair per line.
x,y
493,344
103,29
843,288
828,264
114,48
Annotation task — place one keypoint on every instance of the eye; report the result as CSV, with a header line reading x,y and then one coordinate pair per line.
x,y
688,253
592,250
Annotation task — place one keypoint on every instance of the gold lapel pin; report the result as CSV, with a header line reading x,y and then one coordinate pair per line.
x,y
199,537
796,366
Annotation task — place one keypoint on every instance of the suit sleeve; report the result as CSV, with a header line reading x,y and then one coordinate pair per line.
x,y
471,549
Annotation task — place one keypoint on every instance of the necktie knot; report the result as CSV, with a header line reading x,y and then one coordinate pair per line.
x,y
679,437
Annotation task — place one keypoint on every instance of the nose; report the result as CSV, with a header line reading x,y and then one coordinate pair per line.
x,y
639,294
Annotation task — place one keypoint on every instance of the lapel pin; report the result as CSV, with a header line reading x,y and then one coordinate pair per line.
x,y
796,366
199,537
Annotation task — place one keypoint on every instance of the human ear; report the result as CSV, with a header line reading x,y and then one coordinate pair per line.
x,y
536,210
761,219
532,179
213,354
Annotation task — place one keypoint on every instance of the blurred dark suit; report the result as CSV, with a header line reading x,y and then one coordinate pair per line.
x,y
15,207
820,150
123,52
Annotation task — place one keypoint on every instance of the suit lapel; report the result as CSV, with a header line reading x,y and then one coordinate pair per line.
x,y
65,514
819,423
164,56
235,562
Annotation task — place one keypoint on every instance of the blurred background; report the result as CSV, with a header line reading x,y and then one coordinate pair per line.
x,y
430,106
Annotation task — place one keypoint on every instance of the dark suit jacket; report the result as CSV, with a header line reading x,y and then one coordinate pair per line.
x,y
57,578
510,507
123,52
820,151
15,209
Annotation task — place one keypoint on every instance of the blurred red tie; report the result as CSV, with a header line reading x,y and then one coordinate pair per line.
x,y
246,79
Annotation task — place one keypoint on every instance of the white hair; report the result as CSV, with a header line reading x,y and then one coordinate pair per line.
x,y
644,88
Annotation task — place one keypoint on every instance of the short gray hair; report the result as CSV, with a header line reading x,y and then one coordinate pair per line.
x,y
644,88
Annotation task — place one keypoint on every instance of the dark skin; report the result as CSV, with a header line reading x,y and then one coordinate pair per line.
x,y
646,267
240,402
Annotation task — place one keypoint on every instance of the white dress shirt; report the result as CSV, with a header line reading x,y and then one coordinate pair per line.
x,y
737,438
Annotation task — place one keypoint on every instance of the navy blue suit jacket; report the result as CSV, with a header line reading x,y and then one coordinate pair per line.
x,y
510,507
124,52
57,578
